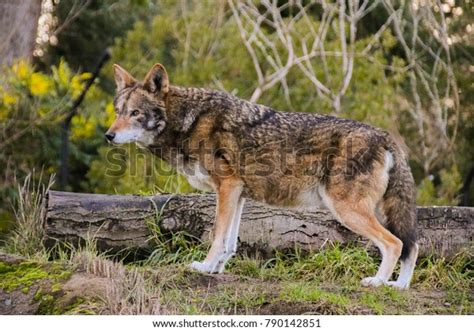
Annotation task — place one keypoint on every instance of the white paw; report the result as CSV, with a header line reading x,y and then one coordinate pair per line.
x,y
207,267
401,286
201,267
372,282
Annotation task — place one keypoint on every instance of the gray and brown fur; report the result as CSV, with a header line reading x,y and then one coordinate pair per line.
x,y
297,160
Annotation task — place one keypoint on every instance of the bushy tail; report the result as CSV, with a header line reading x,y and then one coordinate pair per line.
x,y
399,203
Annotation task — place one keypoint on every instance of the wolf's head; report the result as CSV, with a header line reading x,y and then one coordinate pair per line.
x,y
139,106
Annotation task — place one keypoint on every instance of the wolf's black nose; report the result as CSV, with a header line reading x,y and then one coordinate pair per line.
x,y
110,136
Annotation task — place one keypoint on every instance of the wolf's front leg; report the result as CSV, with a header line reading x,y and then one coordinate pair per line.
x,y
232,237
229,204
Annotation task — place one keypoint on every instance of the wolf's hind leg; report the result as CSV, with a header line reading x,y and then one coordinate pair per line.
x,y
362,220
406,269
228,205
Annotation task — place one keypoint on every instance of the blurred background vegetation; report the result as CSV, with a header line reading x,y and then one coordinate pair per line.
x,y
405,66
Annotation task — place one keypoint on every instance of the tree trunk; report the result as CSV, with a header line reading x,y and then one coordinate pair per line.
x,y
18,28
120,222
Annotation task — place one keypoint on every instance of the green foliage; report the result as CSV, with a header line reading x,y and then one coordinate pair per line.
x,y
86,31
203,61
32,105
445,193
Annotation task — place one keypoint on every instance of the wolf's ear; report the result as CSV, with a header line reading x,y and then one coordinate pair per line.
x,y
122,78
156,81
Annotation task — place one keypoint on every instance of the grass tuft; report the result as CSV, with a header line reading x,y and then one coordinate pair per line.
x,y
178,248
127,290
446,273
27,236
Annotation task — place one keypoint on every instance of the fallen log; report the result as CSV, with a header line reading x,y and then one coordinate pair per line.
x,y
119,222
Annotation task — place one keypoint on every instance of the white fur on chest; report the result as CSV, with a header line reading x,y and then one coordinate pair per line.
x,y
197,176
310,199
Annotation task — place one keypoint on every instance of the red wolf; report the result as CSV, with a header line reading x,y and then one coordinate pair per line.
x,y
241,150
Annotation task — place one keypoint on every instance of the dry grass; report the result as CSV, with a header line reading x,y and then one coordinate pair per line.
x,y
127,292
27,236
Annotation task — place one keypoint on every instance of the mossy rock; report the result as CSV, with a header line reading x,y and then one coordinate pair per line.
x,y
29,287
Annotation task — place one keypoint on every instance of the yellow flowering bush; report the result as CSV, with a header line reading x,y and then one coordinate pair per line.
x,y
67,81
39,84
77,83
21,83
9,99
83,127
22,70
32,106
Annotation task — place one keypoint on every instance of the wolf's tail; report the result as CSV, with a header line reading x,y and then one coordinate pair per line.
x,y
398,203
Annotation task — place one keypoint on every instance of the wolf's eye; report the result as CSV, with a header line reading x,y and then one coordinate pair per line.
x,y
134,113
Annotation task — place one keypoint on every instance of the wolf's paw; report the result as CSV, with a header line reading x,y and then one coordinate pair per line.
x,y
399,285
372,282
203,267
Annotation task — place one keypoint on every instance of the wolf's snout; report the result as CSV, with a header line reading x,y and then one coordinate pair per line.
x,y
110,136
